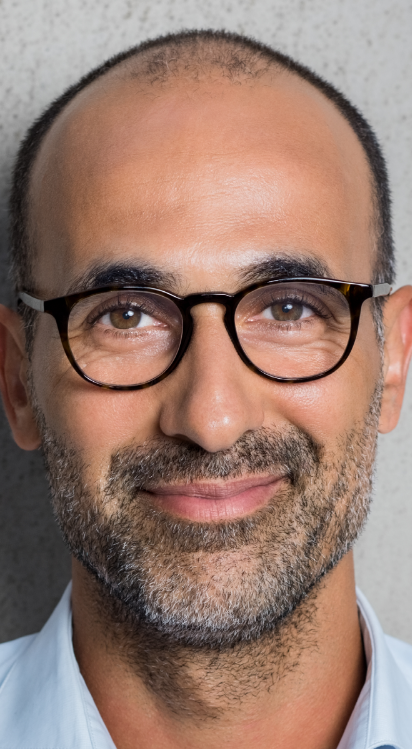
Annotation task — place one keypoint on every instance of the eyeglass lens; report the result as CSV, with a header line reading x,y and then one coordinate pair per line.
x,y
294,329
289,330
125,337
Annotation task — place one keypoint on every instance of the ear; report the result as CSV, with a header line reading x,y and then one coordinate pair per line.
x,y
397,354
13,380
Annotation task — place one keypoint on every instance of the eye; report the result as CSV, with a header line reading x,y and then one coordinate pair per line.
x,y
123,318
287,311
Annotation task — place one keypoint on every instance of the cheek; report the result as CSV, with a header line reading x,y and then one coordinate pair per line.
x,y
98,422
330,407
105,420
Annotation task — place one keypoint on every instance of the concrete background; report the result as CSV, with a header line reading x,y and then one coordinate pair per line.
x,y
363,47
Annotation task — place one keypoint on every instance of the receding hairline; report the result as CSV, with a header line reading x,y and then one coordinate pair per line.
x,y
196,57
137,71
156,68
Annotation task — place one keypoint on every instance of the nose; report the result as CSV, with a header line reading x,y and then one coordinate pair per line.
x,y
212,398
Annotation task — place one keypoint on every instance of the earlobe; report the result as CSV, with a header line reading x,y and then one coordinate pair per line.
x,y
397,355
13,381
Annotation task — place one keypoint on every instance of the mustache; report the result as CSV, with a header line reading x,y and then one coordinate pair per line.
x,y
294,453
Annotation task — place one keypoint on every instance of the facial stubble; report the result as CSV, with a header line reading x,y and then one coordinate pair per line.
x,y
236,597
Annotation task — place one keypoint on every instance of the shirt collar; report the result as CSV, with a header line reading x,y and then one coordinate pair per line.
x,y
44,701
382,716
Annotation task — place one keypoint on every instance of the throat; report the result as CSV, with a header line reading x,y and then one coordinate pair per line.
x,y
198,684
296,685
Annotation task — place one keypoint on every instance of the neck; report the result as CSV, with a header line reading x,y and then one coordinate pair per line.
x,y
295,686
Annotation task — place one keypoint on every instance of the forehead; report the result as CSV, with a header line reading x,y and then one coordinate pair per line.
x,y
200,180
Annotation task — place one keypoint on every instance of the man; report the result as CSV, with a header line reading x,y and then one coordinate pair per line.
x,y
205,348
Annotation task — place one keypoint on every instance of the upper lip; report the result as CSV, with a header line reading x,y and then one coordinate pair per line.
x,y
208,490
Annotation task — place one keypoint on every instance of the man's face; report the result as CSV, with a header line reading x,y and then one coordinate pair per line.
x,y
232,478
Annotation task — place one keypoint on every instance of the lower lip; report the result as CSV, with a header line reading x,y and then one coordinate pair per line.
x,y
202,508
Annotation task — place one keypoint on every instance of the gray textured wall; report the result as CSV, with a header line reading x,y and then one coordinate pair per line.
x,y
364,47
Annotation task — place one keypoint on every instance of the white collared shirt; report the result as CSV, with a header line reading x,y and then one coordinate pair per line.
x,y
45,704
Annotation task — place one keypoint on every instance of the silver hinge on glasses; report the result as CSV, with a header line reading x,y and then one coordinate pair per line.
x,y
36,304
381,289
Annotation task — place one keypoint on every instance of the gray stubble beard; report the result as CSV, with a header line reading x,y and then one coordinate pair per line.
x,y
235,598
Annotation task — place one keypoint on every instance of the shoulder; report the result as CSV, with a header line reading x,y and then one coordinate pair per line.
x,y
402,654
10,651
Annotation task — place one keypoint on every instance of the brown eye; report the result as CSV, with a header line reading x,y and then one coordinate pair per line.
x,y
286,311
125,318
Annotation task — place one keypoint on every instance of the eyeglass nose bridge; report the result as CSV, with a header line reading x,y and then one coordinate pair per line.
x,y
229,302
209,297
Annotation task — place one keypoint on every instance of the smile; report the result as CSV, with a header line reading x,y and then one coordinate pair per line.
x,y
213,502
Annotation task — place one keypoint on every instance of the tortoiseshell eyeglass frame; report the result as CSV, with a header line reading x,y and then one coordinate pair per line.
x,y
61,307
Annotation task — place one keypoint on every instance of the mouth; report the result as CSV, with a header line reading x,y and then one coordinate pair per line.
x,y
216,501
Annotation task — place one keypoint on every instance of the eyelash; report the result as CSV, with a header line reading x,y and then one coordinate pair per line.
x,y
111,307
300,300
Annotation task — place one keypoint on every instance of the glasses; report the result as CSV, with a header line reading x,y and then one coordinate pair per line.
x,y
130,337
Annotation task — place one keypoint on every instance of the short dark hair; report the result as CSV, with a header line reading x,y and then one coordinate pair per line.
x,y
156,61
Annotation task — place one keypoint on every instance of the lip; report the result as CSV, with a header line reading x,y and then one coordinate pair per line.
x,y
217,501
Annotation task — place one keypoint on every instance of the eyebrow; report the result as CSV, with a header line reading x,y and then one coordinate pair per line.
x,y
127,274
283,265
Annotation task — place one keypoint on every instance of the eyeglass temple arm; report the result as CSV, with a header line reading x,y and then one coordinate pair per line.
x,y
31,301
381,289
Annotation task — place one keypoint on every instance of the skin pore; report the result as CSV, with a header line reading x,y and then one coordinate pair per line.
x,y
200,181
